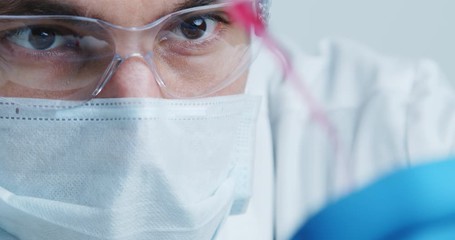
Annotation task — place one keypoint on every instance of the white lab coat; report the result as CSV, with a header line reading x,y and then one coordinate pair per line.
x,y
389,113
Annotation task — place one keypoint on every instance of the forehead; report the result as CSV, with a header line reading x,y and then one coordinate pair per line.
x,y
121,12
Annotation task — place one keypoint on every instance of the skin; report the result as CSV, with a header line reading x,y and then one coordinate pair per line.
x,y
131,13
134,13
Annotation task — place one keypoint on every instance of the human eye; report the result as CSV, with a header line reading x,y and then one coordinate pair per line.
x,y
42,38
56,54
194,33
199,27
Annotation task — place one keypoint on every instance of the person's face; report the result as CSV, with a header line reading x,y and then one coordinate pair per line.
x,y
134,77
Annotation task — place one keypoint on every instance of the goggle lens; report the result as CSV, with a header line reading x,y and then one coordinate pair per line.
x,y
192,53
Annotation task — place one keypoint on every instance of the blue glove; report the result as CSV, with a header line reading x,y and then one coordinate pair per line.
x,y
411,204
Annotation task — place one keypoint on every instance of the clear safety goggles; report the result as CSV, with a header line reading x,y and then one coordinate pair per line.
x,y
192,53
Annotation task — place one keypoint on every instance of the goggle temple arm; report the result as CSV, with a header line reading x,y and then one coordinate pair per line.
x,y
243,13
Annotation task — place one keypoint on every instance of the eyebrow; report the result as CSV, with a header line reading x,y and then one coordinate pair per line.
x,y
194,3
50,7
37,7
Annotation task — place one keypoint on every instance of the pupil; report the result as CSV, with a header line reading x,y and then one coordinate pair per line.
x,y
194,28
41,38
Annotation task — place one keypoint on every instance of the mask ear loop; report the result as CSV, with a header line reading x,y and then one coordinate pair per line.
x,y
243,13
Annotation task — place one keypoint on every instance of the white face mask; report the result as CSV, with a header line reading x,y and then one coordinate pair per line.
x,y
125,169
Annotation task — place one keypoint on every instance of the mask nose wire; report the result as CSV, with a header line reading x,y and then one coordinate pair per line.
x,y
128,42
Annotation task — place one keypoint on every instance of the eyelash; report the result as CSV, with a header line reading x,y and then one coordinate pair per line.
x,y
217,17
30,53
